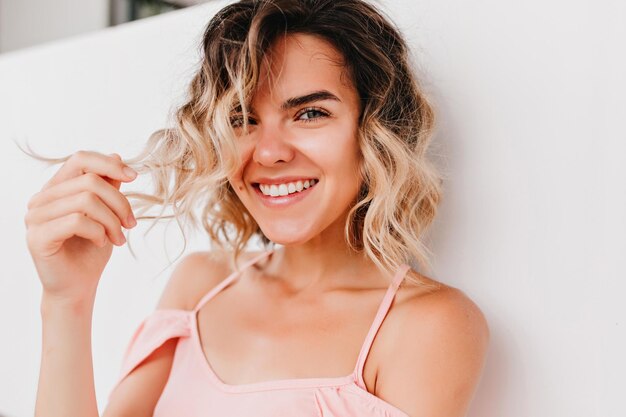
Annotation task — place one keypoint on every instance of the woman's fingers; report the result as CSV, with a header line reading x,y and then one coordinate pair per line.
x,y
82,162
86,204
79,207
89,182
115,183
60,229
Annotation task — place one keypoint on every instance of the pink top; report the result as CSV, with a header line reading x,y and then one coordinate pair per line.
x,y
194,389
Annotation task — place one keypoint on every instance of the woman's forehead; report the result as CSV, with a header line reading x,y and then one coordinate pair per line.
x,y
299,63
306,44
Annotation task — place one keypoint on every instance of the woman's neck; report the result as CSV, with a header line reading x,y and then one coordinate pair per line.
x,y
320,263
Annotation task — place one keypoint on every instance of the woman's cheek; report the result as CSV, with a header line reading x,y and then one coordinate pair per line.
x,y
322,144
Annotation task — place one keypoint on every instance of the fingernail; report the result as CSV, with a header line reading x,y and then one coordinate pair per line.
x,y
130,173
131,220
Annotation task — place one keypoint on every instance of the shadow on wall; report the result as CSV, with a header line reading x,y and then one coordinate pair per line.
x,y
504,359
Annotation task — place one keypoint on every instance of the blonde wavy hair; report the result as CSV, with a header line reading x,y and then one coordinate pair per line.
x,y
401,187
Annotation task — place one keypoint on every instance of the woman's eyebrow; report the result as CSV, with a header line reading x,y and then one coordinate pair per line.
x,y
308,98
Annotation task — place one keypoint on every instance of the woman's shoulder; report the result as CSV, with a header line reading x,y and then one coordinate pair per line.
x,y
431,304
195,275
442,337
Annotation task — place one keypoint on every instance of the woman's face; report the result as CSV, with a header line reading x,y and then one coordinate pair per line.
x,y
302,133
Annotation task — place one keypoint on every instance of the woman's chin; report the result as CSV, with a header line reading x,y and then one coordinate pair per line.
x,y
287,240
288,236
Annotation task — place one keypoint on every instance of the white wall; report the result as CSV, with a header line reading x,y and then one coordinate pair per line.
x,y
533,224
25,23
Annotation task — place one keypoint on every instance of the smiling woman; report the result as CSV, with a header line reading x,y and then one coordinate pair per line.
x,y
305,126
392,121
279,148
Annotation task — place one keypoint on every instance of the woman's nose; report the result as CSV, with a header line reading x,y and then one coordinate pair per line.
x,y
272,146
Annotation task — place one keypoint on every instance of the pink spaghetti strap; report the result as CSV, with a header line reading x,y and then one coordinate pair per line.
x,y
226,281
383,309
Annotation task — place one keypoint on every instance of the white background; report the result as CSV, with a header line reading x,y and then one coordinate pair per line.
x,y
531,103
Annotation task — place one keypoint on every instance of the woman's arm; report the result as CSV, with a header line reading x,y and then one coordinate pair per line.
x,y
438,347
66,386
139,392
72,224
66,383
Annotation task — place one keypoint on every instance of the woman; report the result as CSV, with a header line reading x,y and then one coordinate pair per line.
x,y
305,127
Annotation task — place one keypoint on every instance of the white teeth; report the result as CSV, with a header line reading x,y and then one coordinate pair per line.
x,y
276,190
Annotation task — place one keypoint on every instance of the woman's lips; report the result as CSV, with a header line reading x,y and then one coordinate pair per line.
x,y
286,200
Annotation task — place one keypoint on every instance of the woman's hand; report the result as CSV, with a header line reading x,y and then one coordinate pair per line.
x,y
73,222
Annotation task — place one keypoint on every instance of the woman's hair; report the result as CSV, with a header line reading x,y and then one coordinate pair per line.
x,y
401,188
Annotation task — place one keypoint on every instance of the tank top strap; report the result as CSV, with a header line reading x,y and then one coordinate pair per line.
x,y
383,309
226,281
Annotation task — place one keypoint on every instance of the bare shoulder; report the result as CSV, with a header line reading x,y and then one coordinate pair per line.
x,y
195,275
440,339
439,307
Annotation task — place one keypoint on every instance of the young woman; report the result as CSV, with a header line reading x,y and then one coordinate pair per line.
x,y
305,126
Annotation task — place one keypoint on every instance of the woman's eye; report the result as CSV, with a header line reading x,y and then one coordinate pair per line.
x,y
309,115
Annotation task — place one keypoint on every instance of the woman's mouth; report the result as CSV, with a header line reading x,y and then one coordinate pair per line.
x,y
281,195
